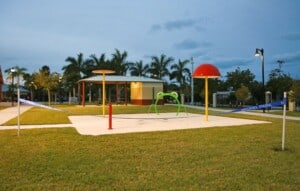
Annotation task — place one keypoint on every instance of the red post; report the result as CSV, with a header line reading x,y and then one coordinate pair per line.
x,y
110,117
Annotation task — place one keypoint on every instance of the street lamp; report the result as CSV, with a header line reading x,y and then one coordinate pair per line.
x,y
260,52
60,89
12,70
192,83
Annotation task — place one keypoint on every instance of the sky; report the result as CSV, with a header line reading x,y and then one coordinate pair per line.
x,y
34,33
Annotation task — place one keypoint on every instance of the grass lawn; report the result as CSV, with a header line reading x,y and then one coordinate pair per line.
x,y
38,115
227,158
288,113
3,107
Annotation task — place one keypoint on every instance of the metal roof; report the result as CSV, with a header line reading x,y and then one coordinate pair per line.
x,y
120,79
5,88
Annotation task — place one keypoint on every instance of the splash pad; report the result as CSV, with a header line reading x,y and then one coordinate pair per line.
x,y
150,122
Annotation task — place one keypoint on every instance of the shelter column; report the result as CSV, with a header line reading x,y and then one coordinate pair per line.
x,y
83,94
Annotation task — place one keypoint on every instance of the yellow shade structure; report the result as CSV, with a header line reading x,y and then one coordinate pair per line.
x,y
103,72
206,71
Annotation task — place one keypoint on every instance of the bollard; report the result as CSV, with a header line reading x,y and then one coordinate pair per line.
x,y
109,117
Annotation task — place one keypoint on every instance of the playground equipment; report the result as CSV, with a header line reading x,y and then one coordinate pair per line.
x,y
206,71
160,95
103,72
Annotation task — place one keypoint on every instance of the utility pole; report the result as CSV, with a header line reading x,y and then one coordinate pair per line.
x,y
280,62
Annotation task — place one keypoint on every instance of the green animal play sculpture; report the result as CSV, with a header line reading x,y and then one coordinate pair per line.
x,y
160,95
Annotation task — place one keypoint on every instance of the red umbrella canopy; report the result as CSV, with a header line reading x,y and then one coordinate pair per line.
x,y
206,70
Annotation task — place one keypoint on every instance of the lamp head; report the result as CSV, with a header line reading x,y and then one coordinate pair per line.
x,y
12,70
259,52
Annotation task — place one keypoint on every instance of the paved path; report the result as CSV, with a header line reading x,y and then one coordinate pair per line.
x,y
11,112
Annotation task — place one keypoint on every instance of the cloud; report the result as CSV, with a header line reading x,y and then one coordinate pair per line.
x,y
227,63
198,53
196,24
155,28
179,24
189,44
289,57
292,37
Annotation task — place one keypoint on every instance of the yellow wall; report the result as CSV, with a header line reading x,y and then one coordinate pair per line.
x,y
143,91
135,90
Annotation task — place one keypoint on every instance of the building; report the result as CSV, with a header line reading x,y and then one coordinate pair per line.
x,y
142,90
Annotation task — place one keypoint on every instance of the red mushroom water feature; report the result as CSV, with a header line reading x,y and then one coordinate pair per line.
x,y
206,71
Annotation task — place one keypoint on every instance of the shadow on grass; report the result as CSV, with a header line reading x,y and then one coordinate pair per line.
x,y
279,149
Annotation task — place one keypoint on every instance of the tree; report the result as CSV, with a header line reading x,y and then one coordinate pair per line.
x,y
242,94
239,77
138,69
181,73
77,69
19,73
46,80
296,90
119,63
79,66
101,62
278,83
159,66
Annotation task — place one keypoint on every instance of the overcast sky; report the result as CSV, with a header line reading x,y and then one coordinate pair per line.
x,y
34,33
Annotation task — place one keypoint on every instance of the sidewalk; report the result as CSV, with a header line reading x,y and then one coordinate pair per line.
x,y
11,112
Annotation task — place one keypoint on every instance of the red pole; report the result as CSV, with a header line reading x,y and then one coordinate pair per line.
x,y
110,117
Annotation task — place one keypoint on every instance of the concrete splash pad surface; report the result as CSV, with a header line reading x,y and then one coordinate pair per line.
x,y
131,123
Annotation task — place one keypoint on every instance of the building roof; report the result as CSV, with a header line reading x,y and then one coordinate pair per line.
x,y
5,88
113,79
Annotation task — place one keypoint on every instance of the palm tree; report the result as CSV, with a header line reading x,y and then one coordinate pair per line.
x,y
119,63
138,69
12,72
181,73
79,66
101,62
77,69
159,66
46,80
17,72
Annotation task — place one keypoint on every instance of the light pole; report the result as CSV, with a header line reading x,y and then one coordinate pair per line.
x,y
31,91
60,95
260,52
12,70
192,83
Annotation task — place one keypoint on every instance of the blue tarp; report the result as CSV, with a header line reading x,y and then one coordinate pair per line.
x,y
262,106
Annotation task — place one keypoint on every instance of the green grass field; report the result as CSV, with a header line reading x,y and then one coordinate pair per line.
x,y
228,158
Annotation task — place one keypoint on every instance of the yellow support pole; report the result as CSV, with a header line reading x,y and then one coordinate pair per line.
x,y
103,93
103,72
206,98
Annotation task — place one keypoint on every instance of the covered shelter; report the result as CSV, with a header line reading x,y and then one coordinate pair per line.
x,y
142,90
